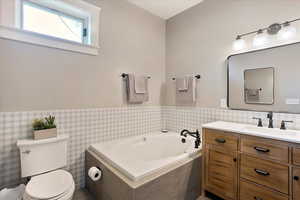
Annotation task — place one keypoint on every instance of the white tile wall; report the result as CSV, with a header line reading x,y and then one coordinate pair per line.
x,y
83,127
89,126
178,118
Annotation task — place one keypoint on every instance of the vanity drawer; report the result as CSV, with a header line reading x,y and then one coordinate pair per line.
x,y
264,172
221,139
296,156
265,148
250,191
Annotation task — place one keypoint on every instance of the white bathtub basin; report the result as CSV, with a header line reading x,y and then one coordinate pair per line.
x,y
138,157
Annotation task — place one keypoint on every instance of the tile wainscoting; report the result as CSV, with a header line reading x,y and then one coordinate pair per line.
x,y
87,126
178,118
84,127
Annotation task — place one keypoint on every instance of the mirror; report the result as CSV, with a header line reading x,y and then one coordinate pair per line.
x,y
265,80
259,86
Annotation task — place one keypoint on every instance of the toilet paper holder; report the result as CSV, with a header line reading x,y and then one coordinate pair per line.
x,y
95,173
98,173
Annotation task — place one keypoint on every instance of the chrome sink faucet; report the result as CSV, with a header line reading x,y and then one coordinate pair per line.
x,y
270,117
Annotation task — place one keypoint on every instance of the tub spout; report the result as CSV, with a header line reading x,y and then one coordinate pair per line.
x,y
196,135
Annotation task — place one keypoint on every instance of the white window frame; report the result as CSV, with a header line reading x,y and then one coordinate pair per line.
x,y
11,24
84,21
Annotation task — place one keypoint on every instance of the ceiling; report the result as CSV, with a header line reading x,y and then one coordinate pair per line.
x,y
165,8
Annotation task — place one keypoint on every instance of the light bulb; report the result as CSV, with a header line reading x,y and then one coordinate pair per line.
x,y
239,44
260,39
287,32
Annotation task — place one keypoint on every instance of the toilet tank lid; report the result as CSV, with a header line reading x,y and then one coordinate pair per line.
x,y
30,142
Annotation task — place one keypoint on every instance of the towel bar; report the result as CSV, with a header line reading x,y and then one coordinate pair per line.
x,y
126,75
198,76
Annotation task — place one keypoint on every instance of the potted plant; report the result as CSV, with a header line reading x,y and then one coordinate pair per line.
x,y
44,128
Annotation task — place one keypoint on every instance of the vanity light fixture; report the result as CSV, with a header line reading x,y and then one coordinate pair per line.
x,y
239,43
284,31
260,38
287,31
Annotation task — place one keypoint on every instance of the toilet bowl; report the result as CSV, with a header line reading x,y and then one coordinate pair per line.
x,y
55,185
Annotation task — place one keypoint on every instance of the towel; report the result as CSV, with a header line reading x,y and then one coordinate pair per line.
x,y
252,94
140,84
182,83
189,95
132,96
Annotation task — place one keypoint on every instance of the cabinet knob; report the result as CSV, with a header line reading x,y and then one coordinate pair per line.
x,y
296,178
234,159
257,198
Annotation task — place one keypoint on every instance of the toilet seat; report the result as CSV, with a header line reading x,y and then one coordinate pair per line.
x,y
55,185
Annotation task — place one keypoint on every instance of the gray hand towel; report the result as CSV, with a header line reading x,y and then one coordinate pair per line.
x,y
189,95
140,84
182,83
132,96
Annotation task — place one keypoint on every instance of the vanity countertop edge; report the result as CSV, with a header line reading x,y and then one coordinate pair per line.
x,y
292,136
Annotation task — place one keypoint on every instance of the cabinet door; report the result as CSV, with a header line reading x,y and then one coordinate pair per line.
x,y
221,174
296,183
296,156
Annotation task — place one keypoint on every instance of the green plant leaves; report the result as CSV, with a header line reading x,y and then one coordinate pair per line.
x,y
42,124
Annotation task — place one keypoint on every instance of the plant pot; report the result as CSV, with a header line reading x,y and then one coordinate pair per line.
x,y
44,134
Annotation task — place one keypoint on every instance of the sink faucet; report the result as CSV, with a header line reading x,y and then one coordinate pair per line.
x,y
270,117
196,135
259,124
283,122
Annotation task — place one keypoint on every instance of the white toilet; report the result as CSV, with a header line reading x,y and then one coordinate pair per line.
x,y
42,160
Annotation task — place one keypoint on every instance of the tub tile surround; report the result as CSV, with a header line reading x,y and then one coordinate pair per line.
x,y
84,127
87,126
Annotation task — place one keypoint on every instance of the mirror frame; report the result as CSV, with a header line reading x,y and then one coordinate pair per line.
x,y
227,76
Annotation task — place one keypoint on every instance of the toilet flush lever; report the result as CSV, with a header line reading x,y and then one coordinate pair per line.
x,y
26,152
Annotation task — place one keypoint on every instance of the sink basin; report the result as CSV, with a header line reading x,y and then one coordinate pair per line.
x,y
264,130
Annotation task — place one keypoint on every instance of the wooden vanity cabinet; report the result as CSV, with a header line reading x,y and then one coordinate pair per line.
x,y
243,167
220,175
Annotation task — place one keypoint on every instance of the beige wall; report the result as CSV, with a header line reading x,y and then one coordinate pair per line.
x,y
39,78
200,39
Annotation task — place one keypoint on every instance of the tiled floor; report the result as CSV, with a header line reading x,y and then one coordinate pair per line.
x,y
84,195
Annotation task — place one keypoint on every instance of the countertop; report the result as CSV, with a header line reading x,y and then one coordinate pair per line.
x,y
252,130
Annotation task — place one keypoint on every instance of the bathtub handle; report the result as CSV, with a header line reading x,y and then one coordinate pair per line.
x,y
220,140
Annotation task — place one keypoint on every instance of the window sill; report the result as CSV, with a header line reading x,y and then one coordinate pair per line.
x,y
48,41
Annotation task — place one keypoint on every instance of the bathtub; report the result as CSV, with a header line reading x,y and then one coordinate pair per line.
x,y
141,156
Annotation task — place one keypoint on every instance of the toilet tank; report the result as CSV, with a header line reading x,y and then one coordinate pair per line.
x,y
40,156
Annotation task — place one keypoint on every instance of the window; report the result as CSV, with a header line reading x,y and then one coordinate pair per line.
x,y
62,24
54,23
